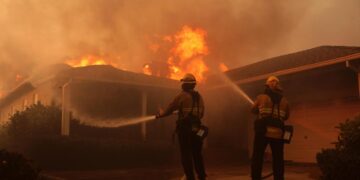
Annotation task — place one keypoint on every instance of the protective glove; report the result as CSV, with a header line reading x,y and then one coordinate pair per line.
x,y
159,113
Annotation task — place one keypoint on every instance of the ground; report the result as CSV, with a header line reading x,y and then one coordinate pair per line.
x,y
231,172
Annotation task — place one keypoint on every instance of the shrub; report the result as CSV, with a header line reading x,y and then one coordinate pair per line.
x,y
36,121
349,137
15,166
343,161
35,132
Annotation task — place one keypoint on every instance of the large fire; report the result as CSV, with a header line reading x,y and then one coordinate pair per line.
x,y
186,54
89,60
181,53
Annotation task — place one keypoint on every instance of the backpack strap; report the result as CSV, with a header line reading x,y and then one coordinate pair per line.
x,y
278,108
195,100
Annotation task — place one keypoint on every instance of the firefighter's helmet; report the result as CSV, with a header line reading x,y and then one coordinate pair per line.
x,y
189,79
272,78
277,85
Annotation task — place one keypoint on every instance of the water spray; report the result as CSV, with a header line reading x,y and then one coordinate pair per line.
x,y
117,122
235,87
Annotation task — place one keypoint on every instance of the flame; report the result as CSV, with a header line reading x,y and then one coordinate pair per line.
x,y
190,42
146,69
223,67
186,54
89,60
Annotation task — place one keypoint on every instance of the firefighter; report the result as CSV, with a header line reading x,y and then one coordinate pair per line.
x,y
272,110
190,105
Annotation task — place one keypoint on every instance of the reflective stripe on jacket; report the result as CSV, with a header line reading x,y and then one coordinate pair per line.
x,y
263,106
184,102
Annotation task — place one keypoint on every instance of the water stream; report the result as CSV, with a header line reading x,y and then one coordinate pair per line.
x,y
114,123
235,87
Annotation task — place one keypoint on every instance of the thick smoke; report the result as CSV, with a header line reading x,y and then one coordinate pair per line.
x,y
40,32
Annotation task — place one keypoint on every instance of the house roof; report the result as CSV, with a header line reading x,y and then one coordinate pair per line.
x,y
293,60
106,73
99,73
19,91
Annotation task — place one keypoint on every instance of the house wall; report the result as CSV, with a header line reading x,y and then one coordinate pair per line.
x,y
315,124
321,99
41,94
103,101
99,101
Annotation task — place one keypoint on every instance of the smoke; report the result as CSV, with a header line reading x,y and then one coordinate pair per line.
x,y
36,33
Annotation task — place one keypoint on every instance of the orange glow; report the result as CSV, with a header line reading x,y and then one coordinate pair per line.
x,y
187,50
154,47
89,60
188,54
168,38
223,67
146,69
190,42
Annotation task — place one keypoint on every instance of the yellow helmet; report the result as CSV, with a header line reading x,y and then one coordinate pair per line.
x,y
188,78
272,78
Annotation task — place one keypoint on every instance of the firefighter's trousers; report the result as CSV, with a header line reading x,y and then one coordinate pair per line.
x,y
190,149
277,150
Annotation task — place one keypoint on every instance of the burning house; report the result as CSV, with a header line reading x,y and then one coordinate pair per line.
x,y
93,94
99,93
322,84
